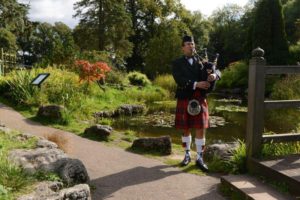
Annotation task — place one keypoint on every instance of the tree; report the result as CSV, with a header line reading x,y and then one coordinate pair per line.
x,y
146,17
163,48
227,36
269,31
13,16
7,40
107,21
292,15
52,44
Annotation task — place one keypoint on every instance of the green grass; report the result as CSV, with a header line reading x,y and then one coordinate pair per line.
x,y
235,165
272,150
14,181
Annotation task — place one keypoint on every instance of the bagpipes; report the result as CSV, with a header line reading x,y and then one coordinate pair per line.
x,y
194,107
208,66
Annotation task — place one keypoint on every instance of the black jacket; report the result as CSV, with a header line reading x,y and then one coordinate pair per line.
x,y
186,74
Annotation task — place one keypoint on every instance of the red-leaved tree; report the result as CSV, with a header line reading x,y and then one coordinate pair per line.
x,y
90,72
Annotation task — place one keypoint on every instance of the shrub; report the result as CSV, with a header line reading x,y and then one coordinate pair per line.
x,y
295,53
167,82
236,75
115,77
137,78
287,88
19,87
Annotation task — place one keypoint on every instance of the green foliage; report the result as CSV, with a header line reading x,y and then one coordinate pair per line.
x,y
148,19
12,178
292,14
269,31
111,26
19,88
295,53
7,40
94,56
43,176
227,22
52,44
235,165
287,88
61,87
280,149
13,16
116,77
167,82
137,78
164,47
236,75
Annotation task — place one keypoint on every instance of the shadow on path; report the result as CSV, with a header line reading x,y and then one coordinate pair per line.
x,y
107,185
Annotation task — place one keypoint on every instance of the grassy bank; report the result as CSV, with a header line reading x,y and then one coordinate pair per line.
x,y
14,181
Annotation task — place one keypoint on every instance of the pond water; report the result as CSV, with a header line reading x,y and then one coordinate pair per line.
x,y
228,121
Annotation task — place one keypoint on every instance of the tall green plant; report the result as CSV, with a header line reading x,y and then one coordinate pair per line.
x,y
19,85
269,31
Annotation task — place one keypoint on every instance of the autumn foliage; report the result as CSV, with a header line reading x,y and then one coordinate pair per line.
x,y
91,71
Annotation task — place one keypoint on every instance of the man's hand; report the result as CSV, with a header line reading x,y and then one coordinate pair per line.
x,y
203,85
211,77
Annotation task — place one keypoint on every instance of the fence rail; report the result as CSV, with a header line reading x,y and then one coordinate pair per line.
x,y
257,104
281,104
286,137
289,69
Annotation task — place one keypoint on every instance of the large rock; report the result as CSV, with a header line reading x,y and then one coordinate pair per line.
x,y
128,110
80,192
43,159
102,131
222,150
42,143
52,191
160,144
51,112
123,110
72,171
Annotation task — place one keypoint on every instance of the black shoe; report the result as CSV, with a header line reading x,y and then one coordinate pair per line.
x,y
201,165
186,160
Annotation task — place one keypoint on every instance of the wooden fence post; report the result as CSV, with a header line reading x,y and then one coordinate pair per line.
x,y
256,95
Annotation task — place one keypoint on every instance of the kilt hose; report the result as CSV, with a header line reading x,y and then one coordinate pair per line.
x,y
185,121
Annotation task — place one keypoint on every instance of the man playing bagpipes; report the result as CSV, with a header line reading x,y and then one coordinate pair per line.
x,y
195,78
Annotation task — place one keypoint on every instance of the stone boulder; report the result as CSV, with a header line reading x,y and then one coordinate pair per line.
x,y
222,150
43,159
51,112
123,110
103,114
42,143
101,131
72,171
54,191
128,110
161,145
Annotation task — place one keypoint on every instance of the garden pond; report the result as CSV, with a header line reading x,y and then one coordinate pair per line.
x,y
228,120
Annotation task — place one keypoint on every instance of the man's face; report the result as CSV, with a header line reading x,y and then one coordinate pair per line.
x,y
188,48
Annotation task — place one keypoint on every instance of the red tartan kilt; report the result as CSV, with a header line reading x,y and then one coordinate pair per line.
x,y
185,121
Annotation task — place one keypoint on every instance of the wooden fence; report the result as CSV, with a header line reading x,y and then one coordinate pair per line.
x,y
257,104
7,61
